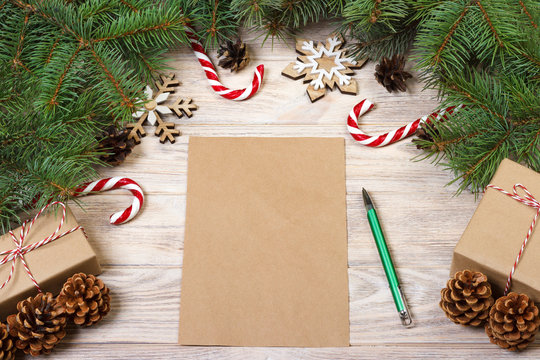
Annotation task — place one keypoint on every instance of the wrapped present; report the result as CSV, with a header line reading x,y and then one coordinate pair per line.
x,y
41,254
501,240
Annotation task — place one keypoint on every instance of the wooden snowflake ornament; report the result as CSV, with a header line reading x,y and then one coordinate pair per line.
x,y
154,108
181,107
324,65
167,84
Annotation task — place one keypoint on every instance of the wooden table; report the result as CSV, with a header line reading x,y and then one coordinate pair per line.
x,y
422,218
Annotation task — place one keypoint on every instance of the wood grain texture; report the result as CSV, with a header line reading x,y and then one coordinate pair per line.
x,y
422,218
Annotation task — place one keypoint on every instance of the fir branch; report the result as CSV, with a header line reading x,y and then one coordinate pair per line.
x,y
161,26
472,168
528,14
129,5
126,101
17,59
53,101
530,58
55,44
53,19
490,23
437,57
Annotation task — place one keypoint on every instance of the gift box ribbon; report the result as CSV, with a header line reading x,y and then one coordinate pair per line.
x,y
529,200
20,250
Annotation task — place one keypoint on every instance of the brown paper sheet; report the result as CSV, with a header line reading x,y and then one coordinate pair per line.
x,y
50,264
265,251
496,231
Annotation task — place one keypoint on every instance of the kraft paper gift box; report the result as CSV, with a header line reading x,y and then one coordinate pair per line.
x,y
495,233
51,264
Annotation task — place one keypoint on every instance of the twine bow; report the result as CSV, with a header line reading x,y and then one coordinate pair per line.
x,y
20,250
529,200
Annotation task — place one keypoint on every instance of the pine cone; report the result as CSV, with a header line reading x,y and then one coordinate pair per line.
x,y
425,133
513,322
390,74
39,324
7,348
235,55
85,298
116,145
466,299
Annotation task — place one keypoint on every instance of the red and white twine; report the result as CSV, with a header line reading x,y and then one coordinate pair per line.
x,y
393,136
528,200
211,74
20,250
119,217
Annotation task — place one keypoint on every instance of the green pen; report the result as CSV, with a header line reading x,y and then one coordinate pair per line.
x,y
399,299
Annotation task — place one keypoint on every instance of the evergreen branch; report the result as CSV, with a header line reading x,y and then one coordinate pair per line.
x,y
442,145
530,58
212,30
10,141
528,14
130,6
163,26
126,101
476,101
48,17
64,191
146,63
437,57
483,158
490,23
53,101
55,44
17,59
532,143
388,36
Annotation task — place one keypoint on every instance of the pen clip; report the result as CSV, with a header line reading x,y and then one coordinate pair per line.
x,y
405,314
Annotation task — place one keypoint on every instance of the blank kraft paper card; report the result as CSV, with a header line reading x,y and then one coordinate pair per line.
x,y
265,248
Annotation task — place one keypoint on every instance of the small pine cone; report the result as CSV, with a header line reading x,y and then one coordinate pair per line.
x,y
7,346
235,55
116,144
425,133
513,322
390,74
466,299
38,325
85,298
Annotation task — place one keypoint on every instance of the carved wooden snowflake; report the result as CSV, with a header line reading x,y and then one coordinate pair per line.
x,y
154,109
324,65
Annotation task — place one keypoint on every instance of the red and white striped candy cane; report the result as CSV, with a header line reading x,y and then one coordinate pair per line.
x,y
119,217
211,74
393,136
528,200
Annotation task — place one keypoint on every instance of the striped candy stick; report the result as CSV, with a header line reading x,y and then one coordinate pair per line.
x,y
393,136
528,200
211,74
119,217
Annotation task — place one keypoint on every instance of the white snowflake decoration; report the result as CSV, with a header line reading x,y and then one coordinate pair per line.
x,y
152,105
323,66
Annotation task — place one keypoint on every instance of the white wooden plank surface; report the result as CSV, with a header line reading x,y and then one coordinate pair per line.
x,y
422,218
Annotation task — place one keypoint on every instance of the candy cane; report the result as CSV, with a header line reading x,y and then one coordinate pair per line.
x,y
119,217
393,136
211,74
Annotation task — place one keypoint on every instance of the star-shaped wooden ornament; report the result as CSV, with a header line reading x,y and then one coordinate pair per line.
x,y
324,66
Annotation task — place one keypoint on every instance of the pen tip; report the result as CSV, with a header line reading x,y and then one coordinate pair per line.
x,y
367,200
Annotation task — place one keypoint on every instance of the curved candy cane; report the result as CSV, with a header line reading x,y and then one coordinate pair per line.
x,y
211,74
119,217
393,136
